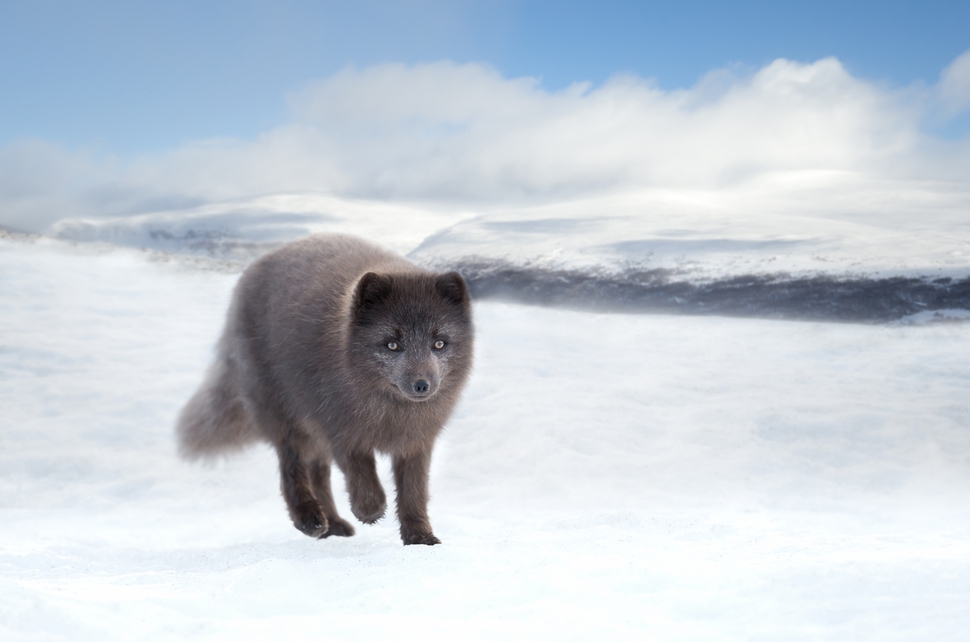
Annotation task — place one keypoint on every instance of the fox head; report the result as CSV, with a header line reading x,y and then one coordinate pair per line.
x,y
413,331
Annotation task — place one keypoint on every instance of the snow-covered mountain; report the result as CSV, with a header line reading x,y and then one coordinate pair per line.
x,y
866,252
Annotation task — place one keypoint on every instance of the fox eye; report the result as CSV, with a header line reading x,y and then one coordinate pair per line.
x,y
392,345
439,344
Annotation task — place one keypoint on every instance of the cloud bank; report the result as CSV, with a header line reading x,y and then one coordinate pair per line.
x,y
463,136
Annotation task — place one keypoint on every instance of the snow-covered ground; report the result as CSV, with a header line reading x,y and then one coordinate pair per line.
x,y
606,476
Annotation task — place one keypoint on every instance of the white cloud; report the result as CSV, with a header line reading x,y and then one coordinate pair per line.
x,y
463,134
463,130
954,86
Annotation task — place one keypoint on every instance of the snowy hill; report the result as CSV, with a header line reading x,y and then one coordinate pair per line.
x,y
809,247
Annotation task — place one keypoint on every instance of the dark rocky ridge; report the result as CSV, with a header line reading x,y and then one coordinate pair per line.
x,y
779,296
856,299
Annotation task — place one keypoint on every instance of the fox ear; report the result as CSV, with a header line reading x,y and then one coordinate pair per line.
x,y
372,290
452,288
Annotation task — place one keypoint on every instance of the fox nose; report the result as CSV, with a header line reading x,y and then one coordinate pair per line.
x,y
421,386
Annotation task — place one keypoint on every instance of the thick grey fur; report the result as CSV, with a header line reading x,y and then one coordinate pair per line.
x,y
304,363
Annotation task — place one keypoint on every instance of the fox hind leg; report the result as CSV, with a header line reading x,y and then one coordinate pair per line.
x,y
306,511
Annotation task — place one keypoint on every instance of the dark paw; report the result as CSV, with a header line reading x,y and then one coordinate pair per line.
x,y
309,519
338,527
369,510
428,539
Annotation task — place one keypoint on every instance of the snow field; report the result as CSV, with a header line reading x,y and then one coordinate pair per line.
x,y
647,477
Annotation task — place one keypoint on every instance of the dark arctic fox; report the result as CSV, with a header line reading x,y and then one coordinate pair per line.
x,y
334,349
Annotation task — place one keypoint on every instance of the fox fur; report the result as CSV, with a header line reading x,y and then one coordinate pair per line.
x,y
335,349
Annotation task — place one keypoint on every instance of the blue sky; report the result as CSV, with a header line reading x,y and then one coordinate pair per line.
x,y
135,78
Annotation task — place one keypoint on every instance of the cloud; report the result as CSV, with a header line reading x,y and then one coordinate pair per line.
x,y
41,182
954,85
444,129
465,135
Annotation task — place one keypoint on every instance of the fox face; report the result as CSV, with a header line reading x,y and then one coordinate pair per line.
x,y
411,331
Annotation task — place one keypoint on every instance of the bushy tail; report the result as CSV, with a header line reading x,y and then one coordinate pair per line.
x,y
215,420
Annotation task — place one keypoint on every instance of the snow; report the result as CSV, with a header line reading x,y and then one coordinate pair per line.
x,y
616,476
811,224
935,316
815,223
243,228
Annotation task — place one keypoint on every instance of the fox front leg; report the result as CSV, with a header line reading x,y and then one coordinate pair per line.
x,y
320,478
367,499
411,479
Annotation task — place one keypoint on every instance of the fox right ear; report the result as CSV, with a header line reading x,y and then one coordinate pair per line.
x,y
372,290
453,289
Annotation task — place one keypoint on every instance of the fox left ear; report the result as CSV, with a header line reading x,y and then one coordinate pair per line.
x,y
372,290
453,289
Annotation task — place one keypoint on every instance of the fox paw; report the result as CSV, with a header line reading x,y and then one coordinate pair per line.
x,y
310,520
428,539
369,509
338,527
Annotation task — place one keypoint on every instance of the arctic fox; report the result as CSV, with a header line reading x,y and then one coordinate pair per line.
x,y
334,349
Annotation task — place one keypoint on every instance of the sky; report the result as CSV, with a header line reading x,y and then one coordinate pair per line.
x,y
136,78
114,109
